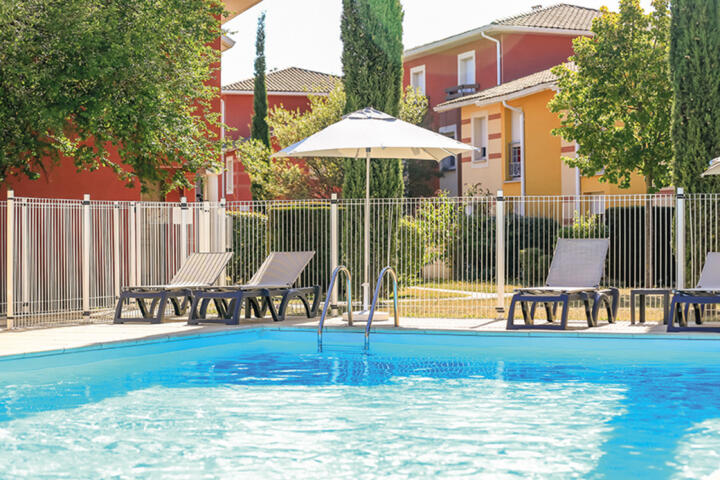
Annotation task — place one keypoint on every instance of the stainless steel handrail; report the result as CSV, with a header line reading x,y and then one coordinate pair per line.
x,y
385,270
335,273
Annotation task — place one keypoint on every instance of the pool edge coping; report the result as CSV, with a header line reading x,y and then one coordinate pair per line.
x,y
181,336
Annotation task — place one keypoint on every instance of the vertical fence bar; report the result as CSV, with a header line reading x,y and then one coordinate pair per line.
x,y
116,249
333,248
680,239
139,219
9,258
24,256
86,256
500,251
183,229
131,245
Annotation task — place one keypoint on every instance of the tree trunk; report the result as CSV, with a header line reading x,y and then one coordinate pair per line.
x,y
649,237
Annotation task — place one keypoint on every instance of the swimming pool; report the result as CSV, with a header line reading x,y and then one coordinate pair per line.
x,y
264,403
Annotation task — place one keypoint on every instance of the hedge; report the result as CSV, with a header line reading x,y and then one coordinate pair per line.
x,y
249,244
626,226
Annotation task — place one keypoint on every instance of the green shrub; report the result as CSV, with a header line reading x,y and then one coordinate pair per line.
x,y
585,226
249,237
412,253
534,266
303,228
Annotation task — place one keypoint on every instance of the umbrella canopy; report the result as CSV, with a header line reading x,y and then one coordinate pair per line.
x,y
374,134
714,168
370,133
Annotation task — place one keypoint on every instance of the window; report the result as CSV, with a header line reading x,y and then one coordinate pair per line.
x,y
417,78
479,139
466,68
229,175
449,162
597,203
515,159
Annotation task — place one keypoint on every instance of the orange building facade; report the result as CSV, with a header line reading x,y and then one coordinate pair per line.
x,y
503,51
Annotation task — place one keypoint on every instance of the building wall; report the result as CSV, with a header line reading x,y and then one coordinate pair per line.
x,y
239,110
528,53
545,172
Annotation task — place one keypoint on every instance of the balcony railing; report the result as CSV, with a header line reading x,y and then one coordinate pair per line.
x,y
514,169
460,91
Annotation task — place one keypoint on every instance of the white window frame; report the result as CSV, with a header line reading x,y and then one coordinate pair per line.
x,y
229,175
484,160
451,129
460,58
416,70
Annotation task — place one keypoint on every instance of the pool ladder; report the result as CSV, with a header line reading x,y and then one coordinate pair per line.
x,y
336,272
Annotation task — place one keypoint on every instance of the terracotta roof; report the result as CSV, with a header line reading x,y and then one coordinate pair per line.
x,y
293,79
537,81
561,16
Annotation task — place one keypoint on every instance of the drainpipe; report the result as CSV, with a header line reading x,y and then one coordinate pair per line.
x,y
522,144
498,54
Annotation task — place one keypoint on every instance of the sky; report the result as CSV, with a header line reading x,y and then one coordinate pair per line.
x,y
306,33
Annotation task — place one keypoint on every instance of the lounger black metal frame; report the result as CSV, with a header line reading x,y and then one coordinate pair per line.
x,y
198,270
274,279
707,292
572,284
230,301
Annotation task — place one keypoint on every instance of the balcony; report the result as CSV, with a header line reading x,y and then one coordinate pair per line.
x,y
514,170
460,91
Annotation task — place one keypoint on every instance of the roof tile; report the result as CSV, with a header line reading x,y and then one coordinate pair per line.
x,y
293,79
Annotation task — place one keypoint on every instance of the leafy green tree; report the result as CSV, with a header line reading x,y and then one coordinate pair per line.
x,y
80,77
259,127
413,109
284,178
694,64
616,101
371,31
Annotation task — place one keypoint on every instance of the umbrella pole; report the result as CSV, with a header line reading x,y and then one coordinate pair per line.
x,y
366,273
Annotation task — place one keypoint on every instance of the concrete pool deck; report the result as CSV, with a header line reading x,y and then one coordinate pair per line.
x,y
19,342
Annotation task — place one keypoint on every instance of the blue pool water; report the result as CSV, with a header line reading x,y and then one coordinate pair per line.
x,y
265,404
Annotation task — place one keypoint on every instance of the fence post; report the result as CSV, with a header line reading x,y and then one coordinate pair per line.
x,y
183,229
680,239
500,251
116,249
131,245
333,249
10,259
86,256
24,256
204,228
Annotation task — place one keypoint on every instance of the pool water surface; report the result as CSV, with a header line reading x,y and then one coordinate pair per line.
x,y
265,404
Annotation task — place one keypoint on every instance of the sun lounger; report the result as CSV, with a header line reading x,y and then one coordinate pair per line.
x,y
198,270
575,273
706,292
275,278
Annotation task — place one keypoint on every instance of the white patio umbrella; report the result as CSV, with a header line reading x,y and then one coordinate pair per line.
x,y
713,169
370,133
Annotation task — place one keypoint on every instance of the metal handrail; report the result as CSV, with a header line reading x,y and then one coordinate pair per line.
x,y
335,273
385,270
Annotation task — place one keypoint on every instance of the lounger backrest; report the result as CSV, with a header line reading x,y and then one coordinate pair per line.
x,y
710,275
281,269
201,268
578,262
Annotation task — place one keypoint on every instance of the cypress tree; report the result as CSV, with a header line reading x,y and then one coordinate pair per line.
x,y
259,128
694,62
371,31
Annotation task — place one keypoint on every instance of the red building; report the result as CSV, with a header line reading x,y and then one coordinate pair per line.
x,y
64,181
491,55
289,88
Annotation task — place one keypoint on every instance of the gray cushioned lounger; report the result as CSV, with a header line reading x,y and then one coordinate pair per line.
x,y
575,274
706,292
